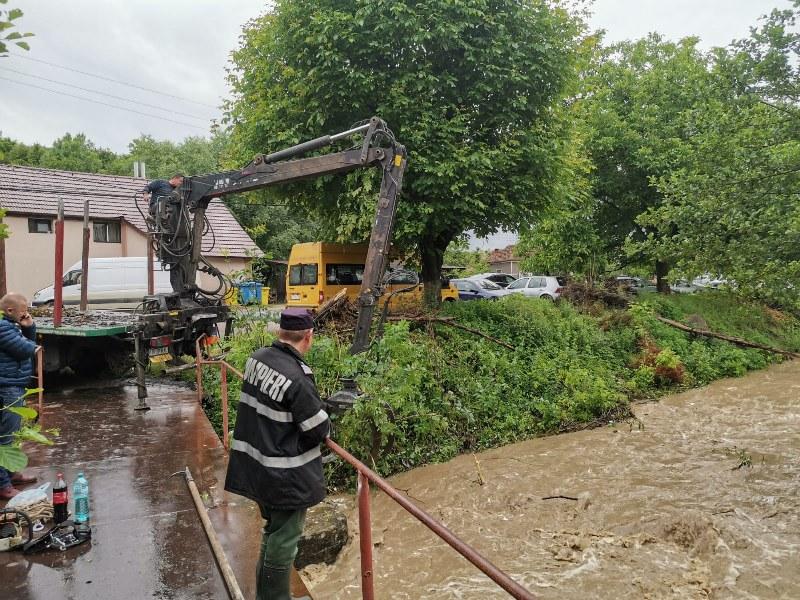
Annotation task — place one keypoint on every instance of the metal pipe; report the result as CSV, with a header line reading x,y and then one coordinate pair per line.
x,y
140,354
338,136
58,283
223,384
472,555
150,276
85,259
216,548
39,353
365,538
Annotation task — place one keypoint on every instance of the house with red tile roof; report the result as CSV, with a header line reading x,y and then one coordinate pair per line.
x,y
30,198
505,261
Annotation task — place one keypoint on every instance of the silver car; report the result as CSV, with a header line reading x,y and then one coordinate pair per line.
x,y
538,286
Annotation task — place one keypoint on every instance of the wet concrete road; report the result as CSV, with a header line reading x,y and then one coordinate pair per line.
x,y
147,541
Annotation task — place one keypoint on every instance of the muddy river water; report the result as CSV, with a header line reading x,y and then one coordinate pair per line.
x,y
699,500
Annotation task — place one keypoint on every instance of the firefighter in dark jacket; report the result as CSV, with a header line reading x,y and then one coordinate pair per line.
x,y
275,456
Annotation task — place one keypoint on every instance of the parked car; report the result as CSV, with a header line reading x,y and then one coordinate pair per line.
x,y
113,283
682,286
501,279
634,285
538,286
476,289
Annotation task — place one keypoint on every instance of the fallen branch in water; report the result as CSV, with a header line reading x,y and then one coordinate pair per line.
x,y
478,466
727,338
560,496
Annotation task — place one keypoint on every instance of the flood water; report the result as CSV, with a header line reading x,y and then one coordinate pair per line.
x,y
700,500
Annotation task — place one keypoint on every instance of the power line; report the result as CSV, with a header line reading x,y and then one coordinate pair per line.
x,y
138,112
138,87
83,89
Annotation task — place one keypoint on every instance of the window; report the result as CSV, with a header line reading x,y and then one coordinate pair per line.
x,y
466,286
518,284
536,282
40,226
303,274
107,231
489,285
73,277
402,278
344,274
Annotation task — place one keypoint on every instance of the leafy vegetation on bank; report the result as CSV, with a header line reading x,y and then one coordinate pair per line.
x,y
430,397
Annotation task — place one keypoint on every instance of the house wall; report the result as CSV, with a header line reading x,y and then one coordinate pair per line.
x,y
226,265
30,257
507,266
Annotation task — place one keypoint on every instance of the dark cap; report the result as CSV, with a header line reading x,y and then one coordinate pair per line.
x,y
296,319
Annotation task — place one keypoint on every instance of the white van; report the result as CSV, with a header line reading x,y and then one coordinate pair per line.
x,y
113,283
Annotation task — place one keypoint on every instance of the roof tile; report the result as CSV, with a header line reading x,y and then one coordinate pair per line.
x,y
35,191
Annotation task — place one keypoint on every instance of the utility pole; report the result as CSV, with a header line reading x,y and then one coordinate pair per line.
x,y
85,258
58,282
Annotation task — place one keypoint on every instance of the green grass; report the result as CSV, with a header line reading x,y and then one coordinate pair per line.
x,y
429,397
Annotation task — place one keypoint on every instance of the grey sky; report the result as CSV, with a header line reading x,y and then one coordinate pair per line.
x,y
181,47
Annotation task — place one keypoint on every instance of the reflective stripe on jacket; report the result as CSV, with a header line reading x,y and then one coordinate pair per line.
x,y
275,454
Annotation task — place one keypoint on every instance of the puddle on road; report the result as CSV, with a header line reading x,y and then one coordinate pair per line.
x,y
700,503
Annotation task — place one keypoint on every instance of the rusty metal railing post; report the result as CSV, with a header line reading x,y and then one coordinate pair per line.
x,y
39,353
365,538
223,377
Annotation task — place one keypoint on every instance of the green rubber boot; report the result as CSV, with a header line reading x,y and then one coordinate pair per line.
x,y
273,584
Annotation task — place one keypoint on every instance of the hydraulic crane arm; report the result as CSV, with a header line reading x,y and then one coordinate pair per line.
x,y
277,168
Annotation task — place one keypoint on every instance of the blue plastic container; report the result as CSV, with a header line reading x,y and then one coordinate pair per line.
x,y
250,292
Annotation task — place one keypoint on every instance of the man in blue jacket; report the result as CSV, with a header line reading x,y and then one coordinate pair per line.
x,y
17,347
275,455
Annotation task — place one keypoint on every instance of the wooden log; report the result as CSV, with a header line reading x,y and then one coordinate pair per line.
x,y
727,338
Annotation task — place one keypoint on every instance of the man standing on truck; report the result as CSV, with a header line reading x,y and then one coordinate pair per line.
x,y
275,457
17,347
162,187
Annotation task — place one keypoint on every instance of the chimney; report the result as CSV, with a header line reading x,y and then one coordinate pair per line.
x,y
139,169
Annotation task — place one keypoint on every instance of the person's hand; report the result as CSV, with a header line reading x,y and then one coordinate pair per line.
x,y
26,320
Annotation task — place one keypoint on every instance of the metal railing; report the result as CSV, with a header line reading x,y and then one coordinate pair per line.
x,y
223,383
365,476
39,358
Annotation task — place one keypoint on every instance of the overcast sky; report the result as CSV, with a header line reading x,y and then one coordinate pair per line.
x,y
181,48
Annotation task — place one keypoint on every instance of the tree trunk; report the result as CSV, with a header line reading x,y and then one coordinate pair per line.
x,y
431,257
662,285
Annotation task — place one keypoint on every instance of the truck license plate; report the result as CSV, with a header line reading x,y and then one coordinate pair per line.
x,y
159,355
295,296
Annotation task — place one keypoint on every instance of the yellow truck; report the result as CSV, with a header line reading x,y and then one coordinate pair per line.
x,y
318,271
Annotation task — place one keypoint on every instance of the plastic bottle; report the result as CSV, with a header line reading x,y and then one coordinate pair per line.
x,y
60,499
80,492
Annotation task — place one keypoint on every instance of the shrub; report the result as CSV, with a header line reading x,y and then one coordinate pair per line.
x,y
431,394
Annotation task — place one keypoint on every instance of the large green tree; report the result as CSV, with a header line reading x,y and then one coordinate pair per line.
x,y
633,105
734,205
471,87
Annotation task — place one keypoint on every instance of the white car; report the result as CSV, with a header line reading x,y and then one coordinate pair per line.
x,y
117,282
538,286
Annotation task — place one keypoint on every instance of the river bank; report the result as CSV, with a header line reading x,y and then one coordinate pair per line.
x,y
432,392
699,501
